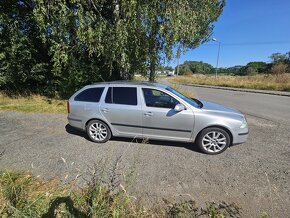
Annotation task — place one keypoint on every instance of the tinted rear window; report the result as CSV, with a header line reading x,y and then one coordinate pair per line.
x,y
122,95
90,95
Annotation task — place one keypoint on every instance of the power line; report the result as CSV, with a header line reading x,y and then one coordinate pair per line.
x,y
250,43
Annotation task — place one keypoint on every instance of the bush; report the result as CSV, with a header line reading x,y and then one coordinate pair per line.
x,y
279,69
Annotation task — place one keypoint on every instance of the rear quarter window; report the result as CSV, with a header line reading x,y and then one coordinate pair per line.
x,y
90,95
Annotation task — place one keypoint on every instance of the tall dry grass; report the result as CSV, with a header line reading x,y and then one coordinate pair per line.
x,y
279,82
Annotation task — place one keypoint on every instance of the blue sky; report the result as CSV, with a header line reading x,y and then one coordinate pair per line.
x,y
249,30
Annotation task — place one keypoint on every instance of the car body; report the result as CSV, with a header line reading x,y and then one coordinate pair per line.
x,y
154,111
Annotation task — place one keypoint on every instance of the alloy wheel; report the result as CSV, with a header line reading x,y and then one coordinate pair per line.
x,y
98,131
214,141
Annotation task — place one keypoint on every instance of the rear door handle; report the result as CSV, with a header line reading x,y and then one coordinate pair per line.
x,y
148,114
105,110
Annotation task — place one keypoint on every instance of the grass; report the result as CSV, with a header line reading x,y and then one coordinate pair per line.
x,y
264,82
33,103
23,195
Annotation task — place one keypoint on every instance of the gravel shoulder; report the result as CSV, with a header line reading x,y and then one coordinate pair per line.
x,y
255,175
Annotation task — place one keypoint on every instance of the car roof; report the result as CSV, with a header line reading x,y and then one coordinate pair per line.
x,y
137,83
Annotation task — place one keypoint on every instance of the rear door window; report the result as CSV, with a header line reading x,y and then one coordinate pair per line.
x,y
90,95
122,95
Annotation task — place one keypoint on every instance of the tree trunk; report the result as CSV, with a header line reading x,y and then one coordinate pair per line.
x,y
153,57
153,48
152,70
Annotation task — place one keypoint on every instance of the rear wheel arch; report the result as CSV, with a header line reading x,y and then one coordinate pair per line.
x,y
86,124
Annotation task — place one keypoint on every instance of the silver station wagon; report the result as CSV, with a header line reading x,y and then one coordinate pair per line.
x,y
154,111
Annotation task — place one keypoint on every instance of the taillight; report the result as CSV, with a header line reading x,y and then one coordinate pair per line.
x,y
68,109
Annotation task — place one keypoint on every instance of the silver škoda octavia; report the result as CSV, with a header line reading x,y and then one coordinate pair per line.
x,y
154,111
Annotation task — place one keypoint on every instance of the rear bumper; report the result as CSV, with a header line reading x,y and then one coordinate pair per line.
x,y
75,122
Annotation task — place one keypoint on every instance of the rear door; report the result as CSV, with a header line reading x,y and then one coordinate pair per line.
x,y
122,109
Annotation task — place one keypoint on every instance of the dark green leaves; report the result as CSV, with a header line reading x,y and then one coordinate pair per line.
x,y
54,47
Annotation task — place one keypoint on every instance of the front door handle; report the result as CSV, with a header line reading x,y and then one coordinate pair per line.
x,y
105,110
148,114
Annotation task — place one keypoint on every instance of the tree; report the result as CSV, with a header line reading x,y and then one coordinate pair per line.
x,y
235,70
103,40
181,24
23,57
280,63
55,47
278,58
256,67
195,67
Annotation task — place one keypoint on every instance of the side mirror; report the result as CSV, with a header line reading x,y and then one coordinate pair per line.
x,y
179,107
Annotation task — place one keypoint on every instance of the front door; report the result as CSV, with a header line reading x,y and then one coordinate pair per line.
x,y
160,120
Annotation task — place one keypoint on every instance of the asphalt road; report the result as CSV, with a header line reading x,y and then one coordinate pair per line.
x,y
272,107
255,175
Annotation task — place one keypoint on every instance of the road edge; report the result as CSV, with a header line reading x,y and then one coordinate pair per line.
x,y
266,92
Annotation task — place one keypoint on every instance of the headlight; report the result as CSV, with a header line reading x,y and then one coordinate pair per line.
x,y
244,124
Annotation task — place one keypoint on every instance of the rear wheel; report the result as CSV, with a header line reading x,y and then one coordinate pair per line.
x,y
98,131
213,140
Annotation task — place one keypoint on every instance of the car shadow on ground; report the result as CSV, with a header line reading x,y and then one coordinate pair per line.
x,y
190,146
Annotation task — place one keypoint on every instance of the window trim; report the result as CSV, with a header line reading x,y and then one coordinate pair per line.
x,y
111,93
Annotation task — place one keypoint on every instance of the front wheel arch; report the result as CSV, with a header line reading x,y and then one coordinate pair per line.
x,y
217,126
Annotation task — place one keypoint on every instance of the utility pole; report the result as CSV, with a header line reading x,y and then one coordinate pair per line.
x,y
218,56
178,56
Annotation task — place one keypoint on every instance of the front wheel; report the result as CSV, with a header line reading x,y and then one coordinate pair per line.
x,y
213,140
98,131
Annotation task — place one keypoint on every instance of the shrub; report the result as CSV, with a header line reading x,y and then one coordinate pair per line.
x,y
278,69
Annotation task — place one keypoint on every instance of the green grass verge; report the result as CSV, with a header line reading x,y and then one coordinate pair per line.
x,y
23,195
33,103
262,82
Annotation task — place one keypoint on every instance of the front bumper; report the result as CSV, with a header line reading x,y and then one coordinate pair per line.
x,y
241,136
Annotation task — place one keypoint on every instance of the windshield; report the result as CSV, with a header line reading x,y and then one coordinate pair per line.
x,y
193,102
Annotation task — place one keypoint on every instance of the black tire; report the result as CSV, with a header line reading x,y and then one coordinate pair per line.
x,y
209,144
98,131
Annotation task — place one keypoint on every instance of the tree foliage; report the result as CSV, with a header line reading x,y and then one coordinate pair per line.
x,y
54,47
195,67
183,23
253,68
280,64
278,58
23,59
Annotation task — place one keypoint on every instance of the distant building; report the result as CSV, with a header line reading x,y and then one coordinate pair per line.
x,y
165,72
